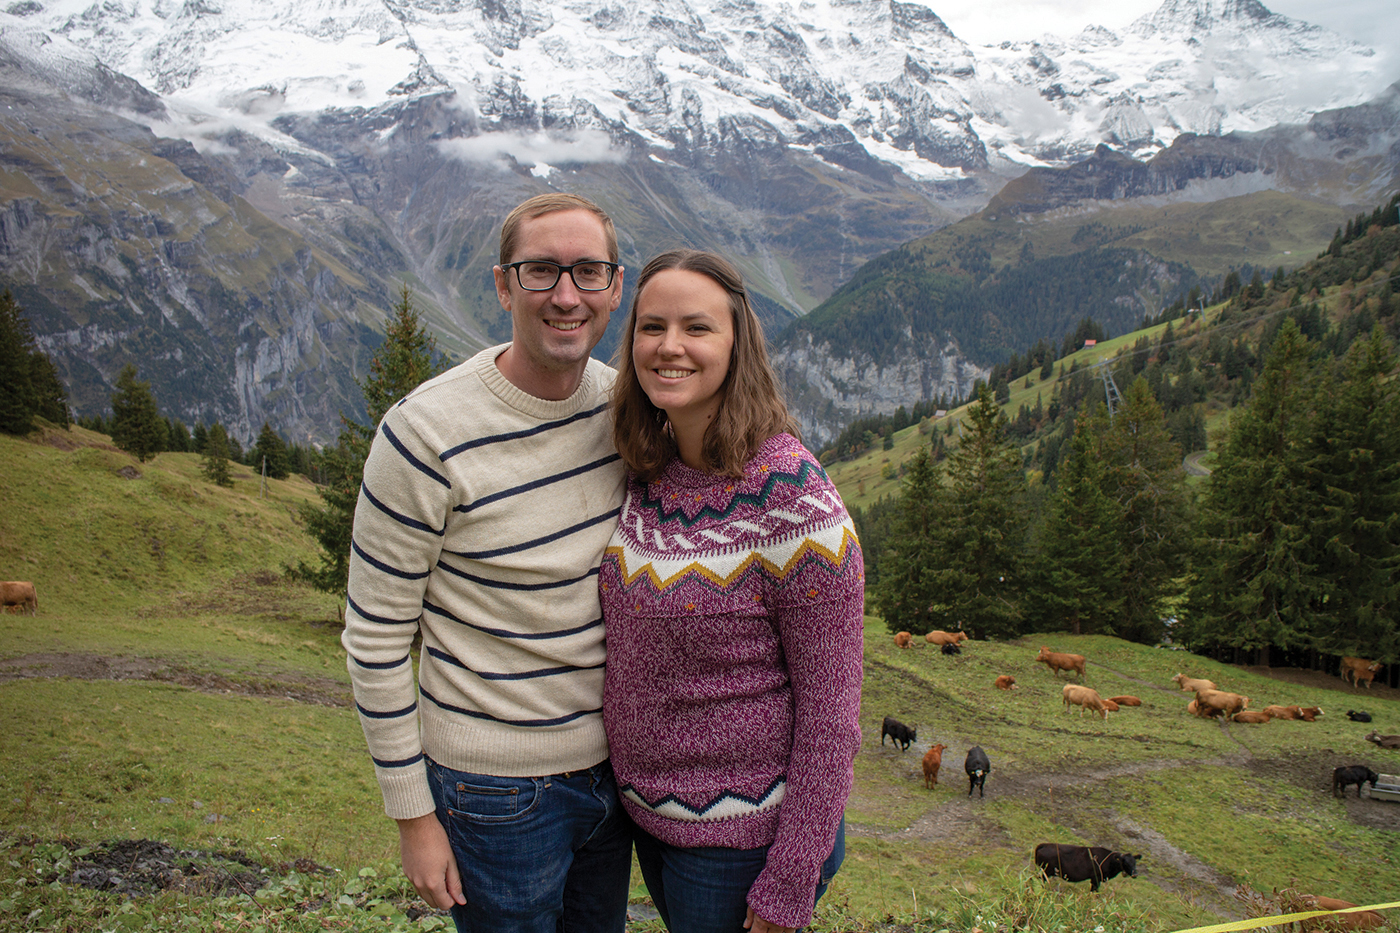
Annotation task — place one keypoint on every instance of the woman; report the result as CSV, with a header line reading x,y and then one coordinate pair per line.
x,y
733,597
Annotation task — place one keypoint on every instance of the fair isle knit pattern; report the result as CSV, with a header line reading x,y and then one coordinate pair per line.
x,y
482,519
732,697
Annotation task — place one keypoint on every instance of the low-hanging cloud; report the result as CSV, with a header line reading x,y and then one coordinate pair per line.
x,y
537,148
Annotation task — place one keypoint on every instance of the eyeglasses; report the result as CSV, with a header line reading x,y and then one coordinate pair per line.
x,y
539,275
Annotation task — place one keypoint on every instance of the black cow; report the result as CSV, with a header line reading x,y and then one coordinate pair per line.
x,y
977,767
951,649
1354,716
1355,774
898,732
1084,863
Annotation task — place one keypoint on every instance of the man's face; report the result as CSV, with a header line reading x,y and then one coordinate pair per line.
x,y
554,331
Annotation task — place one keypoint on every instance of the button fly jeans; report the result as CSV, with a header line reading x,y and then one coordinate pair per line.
x,y
546,854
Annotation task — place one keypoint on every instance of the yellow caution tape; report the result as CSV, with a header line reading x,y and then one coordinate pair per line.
x,y
1283,918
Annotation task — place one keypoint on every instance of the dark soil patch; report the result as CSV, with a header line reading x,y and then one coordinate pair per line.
x,y
142,867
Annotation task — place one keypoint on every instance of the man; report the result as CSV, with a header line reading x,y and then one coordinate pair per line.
x,y
489,495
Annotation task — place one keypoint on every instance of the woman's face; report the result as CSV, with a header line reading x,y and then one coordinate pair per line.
x,y
682,344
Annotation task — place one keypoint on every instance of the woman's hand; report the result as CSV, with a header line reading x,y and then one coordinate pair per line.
x,y
428,861
756,924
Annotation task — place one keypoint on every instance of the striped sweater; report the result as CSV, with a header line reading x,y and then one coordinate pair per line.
x,y
732,695
482,519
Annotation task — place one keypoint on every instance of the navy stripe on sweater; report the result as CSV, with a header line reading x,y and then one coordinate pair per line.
x,y
519,587
536,484
380,665
520,675
478,714
387,714
401,763
538,542
398,516
517,435
382,567
413,461
506,633
371,617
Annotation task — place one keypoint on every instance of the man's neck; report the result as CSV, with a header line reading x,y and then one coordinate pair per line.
x,y
549,385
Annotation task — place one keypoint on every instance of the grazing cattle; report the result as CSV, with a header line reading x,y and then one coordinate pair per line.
x,y
1360,920
19,596
1093,864
933,760
945,638
1060,661
903,639
1205,712
1110,706
1352,774
1360,669
1193,684
977,767
1384,741
1006,682
1126,701
951,649
1252,716
898,732
1221,700
1086,698
1357,716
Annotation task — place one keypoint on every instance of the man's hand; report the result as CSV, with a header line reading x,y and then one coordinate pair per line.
x,y
428,861
756,924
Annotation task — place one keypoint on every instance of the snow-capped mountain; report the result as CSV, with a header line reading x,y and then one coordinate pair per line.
x,y
550,81
231,191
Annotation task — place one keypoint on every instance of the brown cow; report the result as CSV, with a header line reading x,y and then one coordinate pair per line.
x,y
1126,701
1110,706
1360,920
1252,715
945,638
1086,698
1222,700
1384,741
1360,669
19,596
1193,684
1284,712
1060,661
933,760
903,639
1205,712
1006,682
1309,713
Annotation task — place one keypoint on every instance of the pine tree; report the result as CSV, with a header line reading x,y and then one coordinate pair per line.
x,y
137,426
1144,477
979,540
199,437
904,591
214,460
1252,585
270,447
17,401
1354,471
1079,563
407,358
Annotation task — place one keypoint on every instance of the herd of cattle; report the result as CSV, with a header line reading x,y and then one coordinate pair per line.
x,y
18,596
1096,864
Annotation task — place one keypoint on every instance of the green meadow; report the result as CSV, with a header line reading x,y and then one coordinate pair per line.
x,y
176,688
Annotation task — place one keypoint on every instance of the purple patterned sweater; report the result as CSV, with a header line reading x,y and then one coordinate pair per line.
x,y
731,698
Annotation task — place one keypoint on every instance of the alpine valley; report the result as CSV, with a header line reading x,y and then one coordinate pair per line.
x,y
229,193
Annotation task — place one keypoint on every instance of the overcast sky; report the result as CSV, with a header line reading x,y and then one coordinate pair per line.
x,y
1373,22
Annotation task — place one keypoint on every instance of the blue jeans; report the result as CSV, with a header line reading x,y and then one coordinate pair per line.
x,y
537,855
705,890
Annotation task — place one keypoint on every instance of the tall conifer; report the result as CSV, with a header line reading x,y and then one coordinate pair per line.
x,y
137,426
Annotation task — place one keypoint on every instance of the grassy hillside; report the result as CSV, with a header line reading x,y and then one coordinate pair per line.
x,y
174,687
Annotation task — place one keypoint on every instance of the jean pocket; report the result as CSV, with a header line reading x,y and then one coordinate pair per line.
x,y
493,800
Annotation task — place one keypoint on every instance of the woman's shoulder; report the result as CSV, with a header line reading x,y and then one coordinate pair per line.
x,y
784,456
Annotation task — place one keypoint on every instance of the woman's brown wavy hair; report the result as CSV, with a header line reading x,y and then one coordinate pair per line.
x,y
752,410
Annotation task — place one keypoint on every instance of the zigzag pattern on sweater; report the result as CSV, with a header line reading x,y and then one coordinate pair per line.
x,y
757,500
726,806
831,545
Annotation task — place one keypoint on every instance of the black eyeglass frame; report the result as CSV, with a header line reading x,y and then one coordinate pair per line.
x,y
560,269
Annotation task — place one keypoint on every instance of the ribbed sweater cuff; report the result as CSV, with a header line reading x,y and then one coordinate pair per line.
x,y
407,794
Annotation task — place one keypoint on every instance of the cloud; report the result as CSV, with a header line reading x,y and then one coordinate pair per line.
x,y
537,148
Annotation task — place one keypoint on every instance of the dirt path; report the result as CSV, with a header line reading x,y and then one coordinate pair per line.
x,y
320,691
